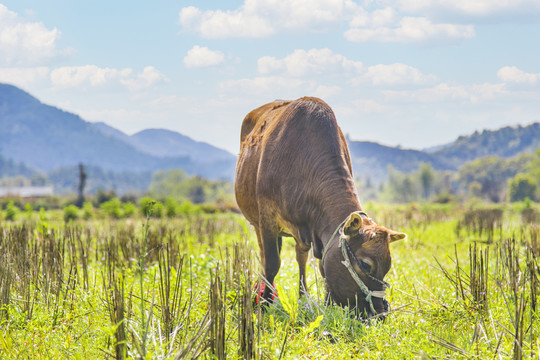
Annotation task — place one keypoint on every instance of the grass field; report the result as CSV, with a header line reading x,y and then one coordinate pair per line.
x,y
465,285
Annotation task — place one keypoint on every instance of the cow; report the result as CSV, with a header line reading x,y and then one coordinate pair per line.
x,y
294,178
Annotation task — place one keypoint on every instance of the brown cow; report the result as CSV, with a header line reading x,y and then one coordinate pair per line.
x,y
294,178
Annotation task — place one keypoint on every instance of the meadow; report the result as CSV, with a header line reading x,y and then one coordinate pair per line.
x,y
465,285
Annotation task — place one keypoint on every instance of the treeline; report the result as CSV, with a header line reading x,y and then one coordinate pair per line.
x,y
491,179
110,207
170,193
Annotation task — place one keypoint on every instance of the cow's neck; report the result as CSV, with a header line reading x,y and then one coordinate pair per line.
x,y
336,210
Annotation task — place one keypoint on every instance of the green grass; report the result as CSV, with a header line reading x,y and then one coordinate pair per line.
x,y
112,289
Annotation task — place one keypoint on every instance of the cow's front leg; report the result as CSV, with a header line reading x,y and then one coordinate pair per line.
x,y
302,252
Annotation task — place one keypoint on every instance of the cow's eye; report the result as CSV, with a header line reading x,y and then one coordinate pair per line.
x,y
365,266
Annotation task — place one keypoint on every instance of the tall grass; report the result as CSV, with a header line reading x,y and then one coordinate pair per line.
x,y
184,288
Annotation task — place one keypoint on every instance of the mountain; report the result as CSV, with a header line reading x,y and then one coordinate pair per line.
x,y
505,142
372,159
39,137
11,168
46,138
166,143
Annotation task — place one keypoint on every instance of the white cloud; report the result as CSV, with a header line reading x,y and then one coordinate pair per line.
x,y
406,30
320,62
396,74
445,92
23,42
377,18
224,24
302,62
199,56
260,18
24,76
92,75
476,8
148,77
515,75
73,76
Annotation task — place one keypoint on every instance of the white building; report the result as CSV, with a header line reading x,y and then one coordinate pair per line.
x,y
26,191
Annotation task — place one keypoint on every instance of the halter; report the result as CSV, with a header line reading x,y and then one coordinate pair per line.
x,y
347,254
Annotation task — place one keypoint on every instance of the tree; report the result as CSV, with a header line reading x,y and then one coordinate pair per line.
x,y
492,173
402,187
82,184
182,187
427,178
522,186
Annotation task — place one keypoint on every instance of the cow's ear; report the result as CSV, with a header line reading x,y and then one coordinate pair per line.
x,y
353,224
395,236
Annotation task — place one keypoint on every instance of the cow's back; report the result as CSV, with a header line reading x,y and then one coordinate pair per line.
x,y
290,152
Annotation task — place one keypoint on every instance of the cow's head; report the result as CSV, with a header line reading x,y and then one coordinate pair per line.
x,y
365,246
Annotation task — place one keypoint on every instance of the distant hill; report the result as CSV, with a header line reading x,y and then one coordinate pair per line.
x,y
66,180
166,143
505,142
11,168
37,137
372,159
47,138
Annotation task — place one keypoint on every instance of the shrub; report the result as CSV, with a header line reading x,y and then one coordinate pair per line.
x,y
129,209
48,203
157,210
28,209
102,196
150,207
113,208
88,210
187,208
521,186
71,212
11,211
171,207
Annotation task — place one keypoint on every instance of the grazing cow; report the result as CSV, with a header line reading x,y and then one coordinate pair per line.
x,y
294,178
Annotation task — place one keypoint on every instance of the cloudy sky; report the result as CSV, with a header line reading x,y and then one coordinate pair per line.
x,y
414,73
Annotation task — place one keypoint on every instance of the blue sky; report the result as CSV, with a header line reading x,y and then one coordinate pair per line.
x,y
414,73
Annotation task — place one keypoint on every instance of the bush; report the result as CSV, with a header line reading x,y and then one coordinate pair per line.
x,y
102,196
129,209
521,186
157,210
16,201
187,208
48,203
88,210
171,207
150,207
11,211
113,208
28,209
71,212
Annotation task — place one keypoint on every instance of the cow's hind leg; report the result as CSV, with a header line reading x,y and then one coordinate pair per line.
x,y
270,257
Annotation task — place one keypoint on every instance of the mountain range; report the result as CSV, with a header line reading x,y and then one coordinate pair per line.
x,y
38,138
373,159
44,138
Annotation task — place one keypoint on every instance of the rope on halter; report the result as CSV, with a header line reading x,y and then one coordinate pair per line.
x,y
344,245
